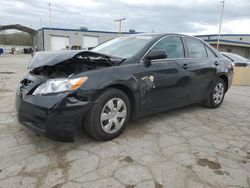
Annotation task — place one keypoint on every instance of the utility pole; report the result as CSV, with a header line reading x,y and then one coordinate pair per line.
x,y
120,23
40,23
221,17
50,16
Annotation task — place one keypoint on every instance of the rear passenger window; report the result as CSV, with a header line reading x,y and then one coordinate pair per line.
x,y
196,48
172,45
209,53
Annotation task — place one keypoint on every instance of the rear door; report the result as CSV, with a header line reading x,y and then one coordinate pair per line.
x,y
202,66
165,83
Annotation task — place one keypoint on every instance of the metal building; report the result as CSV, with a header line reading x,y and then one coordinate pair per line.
x,y
57,38
235,43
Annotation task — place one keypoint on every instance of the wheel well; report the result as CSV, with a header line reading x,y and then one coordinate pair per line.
x,y
225,79
130,95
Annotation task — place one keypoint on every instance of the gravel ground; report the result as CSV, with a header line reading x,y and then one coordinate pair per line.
x,y
188,147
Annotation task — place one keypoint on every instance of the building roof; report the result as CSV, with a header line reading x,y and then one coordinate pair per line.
x,y
229,42
215,35
228,39
86,30
19,27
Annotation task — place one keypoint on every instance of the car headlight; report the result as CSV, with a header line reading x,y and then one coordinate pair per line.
x,y
59,85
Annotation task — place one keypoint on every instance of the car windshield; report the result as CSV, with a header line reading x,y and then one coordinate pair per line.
x,y
124,47
235,57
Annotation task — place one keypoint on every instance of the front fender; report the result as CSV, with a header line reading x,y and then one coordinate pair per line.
x,y
115,77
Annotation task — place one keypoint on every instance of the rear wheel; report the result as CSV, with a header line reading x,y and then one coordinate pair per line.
x,y
216,94
109,116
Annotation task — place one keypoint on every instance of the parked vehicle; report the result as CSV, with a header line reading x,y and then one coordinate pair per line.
x,y
237,60
13,51
122,79
1,51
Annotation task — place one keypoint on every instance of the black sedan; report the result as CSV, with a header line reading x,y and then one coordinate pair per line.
x,y
125,78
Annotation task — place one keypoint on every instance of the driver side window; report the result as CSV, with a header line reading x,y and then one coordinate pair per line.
x,y
172,46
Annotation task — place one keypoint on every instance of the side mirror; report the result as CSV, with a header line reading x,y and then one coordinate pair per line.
x,y
154,54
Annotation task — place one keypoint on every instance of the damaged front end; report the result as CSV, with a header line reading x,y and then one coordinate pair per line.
x,y
46,99
68,63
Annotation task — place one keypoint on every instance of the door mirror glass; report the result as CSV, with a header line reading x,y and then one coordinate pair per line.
x,y
156,54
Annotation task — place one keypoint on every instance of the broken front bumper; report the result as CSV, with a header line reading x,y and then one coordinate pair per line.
x,y
56,116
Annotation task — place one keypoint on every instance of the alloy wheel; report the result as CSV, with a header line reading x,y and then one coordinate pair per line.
x,y
218,93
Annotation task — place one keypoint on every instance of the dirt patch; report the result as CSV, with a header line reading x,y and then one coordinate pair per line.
x,y
158,185
5,90
243,161
7,72
219,172
248,155
128,159
189,166
210,164
130,186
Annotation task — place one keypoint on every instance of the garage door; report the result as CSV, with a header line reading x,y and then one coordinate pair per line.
x,y
59,42
89,41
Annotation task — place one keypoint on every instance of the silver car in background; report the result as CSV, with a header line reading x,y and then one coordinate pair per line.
x,y
237,60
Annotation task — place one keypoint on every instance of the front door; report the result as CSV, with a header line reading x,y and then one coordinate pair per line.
x,y
165,83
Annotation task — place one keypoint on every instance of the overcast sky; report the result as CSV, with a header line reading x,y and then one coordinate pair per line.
x,y
178,16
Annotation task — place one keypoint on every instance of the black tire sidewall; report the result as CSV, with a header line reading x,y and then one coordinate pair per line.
x,y
95,123
213,104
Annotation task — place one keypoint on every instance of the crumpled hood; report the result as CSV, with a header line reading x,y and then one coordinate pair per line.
x,y
50,58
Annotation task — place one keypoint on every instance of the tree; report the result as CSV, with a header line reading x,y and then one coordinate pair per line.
x,y
17,38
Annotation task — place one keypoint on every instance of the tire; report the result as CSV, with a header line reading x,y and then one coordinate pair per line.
x,y
104,121
218,87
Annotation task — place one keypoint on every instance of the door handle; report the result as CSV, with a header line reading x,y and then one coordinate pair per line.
x,y
185,66
216,63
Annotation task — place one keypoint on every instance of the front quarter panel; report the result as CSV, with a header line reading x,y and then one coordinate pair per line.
x,y
99,80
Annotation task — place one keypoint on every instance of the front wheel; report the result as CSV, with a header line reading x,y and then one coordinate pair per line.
x,y
216,94
109,116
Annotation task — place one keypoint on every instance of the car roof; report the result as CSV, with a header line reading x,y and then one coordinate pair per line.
x,y
160,35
